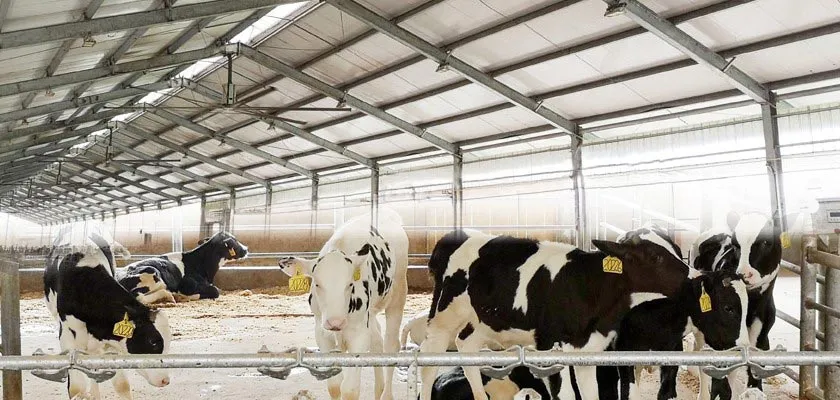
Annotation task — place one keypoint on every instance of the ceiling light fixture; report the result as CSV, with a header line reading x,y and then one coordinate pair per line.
x,y
615,9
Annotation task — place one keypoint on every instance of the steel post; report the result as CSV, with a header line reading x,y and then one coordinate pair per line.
x,y
374,197
579,191
231,212
773,156
808,327
202,219
458,190
10,320
831,374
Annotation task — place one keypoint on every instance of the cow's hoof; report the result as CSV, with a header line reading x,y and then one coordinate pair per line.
x,y
752,394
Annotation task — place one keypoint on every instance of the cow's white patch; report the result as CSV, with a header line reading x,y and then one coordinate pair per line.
x,y
764,283
94,257
464,256
642,297
501,389
176,258
741,290
550,255
747,230
654,238
52,303
755,330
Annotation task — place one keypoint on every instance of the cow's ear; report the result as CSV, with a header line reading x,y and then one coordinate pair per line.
x,y
732,219
357,260
293,265
611,248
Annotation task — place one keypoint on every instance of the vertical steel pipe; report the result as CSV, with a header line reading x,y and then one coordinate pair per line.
x,y
10,321
831,374
808,326
458,190
374,197
580,193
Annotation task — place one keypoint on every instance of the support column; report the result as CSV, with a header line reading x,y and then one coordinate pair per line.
x,y
773,156
231,212
269,195
374,196
202,220
581,237
831,374
10,329
458,190
313,199
808,318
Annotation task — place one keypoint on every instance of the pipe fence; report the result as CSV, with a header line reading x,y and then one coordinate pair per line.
x,y
497,364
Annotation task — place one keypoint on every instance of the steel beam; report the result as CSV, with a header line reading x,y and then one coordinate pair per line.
x,y
174,168
117,177
114,185
41,150
458,190
340,95
70,78
131,197
773,157
45,128
698,52
44,34
8,148
172,185
581,239
318,141
444,58
190,153
242,146
85,101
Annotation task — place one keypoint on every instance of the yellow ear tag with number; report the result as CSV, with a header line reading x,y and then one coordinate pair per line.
x,y
705,300
613,265
785,239
298,283
124,328
232,252
357,274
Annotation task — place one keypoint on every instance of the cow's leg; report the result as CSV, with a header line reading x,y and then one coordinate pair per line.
x,y
358,341
326,343
628,380
634,374
94,390
393,319
759,331
442,328
668,382
71,339
608,379
158,296
471,342
376,347
587,382
121,386
720,389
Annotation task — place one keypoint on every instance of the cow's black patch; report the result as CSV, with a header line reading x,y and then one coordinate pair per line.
x,y
439,260
453,286
466,332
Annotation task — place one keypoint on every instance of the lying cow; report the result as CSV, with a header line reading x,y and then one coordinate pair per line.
x,y
453,385
756,252
97,315
513,291
359,273
659,324
188,275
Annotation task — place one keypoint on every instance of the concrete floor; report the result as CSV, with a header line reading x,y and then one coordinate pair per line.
x,y
242,324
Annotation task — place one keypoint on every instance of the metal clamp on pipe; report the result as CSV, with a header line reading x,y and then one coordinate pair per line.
x,y
537,370
320,373
758,371
60,375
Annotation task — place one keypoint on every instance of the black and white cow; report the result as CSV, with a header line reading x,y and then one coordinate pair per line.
x,y
754,250
654,234
511,291
188,275
659,324
88,303
453,385
359,273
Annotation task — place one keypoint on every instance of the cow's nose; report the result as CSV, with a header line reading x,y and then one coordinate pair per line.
x,y
335,324
164,382
748,275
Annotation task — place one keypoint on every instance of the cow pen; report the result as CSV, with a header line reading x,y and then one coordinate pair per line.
x,y
817,375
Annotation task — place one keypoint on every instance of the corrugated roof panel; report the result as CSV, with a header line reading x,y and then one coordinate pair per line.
x,y
803,58
361,127
465,129
559,73
595,101
391,145
321,160
370,54
291,91
37,13
405,82
471,97
314,33
270,171
389,8
117,7
639,52
425,110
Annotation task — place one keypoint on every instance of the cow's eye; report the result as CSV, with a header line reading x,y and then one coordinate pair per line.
x,y
729,309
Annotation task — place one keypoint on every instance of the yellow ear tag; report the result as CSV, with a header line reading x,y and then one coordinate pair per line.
x,y
357,274
298,283
124,328
613,265
705,300
232,252
785,239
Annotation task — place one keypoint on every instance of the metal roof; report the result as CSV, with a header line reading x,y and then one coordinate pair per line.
x,y
110,105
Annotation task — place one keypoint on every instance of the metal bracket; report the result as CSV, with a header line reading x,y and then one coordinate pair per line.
x,y
537,370
756,370
320,373
60,375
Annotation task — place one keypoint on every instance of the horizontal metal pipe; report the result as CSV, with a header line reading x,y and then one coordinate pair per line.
x,y
823,308
795,322
827,260
404,359
797,270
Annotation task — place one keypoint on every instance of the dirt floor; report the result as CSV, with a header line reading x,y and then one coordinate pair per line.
x,y
241,322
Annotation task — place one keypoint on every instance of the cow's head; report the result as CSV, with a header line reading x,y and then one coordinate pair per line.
x,y
333,284
646,266
759,242
655,234
151,336
227,246
723,318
